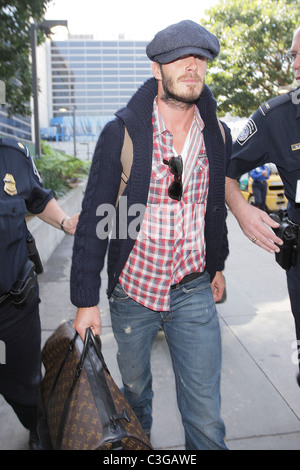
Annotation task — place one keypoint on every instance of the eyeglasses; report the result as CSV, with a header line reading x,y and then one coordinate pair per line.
x,y
176,168
291,56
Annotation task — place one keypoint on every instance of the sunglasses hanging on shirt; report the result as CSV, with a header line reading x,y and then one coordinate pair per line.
x,y
176,168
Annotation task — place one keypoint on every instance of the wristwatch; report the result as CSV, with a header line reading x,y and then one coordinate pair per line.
x,y
62,225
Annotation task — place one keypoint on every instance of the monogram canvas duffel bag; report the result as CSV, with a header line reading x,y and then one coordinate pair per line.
x,y
81,406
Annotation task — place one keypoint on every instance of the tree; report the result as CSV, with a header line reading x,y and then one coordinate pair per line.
x,y
15,67
254,36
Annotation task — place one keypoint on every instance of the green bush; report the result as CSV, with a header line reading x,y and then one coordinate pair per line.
x,y
60,171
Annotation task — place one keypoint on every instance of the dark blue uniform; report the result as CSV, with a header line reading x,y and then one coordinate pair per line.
x,y
21,191
259,185
272,134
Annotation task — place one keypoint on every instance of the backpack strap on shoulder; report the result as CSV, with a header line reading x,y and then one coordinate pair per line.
x,y
222,130
126,160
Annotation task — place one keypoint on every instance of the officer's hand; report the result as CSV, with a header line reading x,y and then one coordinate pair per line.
x,y
70,224
87,318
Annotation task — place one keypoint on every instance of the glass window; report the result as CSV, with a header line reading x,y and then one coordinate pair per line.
x,y
105,74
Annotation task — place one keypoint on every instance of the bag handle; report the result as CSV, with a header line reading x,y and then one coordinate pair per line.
x,y
89,340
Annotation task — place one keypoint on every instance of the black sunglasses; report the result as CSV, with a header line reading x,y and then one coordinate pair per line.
x,y
176,168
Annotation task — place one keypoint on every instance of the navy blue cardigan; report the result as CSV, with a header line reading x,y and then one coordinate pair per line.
x,y
89,251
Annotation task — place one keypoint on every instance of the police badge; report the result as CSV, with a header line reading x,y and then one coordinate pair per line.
x,y
248,131
10,185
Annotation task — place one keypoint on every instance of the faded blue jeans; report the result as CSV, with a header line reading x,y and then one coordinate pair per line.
x,y
193,335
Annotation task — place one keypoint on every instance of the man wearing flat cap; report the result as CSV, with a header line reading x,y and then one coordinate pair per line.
x,y
167,251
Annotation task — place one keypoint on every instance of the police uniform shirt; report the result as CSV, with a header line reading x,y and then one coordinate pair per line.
x,y
272,135
21,191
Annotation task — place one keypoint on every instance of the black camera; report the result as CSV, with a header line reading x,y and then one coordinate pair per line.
x,y
288,232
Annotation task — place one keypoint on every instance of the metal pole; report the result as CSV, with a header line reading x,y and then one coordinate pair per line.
x,y
74,132
33,41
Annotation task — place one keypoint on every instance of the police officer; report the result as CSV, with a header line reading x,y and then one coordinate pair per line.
x,y
260,175
22,191
272,134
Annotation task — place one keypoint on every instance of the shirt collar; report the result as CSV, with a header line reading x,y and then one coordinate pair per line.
x,y
160,127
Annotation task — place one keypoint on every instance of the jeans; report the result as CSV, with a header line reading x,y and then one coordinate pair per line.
x,y
193,336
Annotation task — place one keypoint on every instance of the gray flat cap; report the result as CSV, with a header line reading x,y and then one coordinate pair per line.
x,y
184,38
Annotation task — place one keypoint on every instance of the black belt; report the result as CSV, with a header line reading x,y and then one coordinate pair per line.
x,y
187,278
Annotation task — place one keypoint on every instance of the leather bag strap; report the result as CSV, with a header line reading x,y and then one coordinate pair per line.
x,y
90,341
126,160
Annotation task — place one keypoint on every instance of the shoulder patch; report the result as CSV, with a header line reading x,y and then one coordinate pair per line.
x,y
15,144
247,132
35,170
274,103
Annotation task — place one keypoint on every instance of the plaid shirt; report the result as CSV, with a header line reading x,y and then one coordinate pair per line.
x,y
171,241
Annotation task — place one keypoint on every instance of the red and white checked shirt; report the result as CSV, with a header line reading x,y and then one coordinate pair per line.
x,y
171,241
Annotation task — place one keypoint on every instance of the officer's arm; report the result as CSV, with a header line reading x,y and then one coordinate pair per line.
x,y
251,150
51,213
253,221
54,215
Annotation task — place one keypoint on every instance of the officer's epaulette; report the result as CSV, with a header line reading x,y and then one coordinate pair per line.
x,y
13,143
274,103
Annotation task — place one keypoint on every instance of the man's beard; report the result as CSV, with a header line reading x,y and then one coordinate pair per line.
x,y
182,101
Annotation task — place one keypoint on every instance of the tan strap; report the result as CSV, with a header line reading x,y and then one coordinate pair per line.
x,y
222,130
126,160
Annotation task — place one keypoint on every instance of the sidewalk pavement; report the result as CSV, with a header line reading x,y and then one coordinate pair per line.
x,y
260,395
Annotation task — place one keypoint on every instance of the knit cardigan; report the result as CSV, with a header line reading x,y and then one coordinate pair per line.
x,y
89,251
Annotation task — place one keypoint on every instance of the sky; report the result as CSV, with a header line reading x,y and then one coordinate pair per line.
x,y
135,19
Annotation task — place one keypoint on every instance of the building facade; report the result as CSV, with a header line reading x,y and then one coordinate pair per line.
x,y
82,83
92,79
15,126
